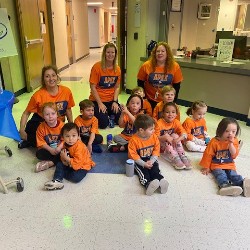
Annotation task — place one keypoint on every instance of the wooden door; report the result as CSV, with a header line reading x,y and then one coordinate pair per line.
x,y
69,30
32,41
122,38
45,31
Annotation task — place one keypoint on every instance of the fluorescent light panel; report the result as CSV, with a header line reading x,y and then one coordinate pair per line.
x,y
94,3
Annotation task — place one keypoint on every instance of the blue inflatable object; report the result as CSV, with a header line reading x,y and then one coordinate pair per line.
x,y
7,124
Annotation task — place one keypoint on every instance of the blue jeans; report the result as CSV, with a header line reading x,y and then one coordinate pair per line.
x,y
68,173
226,176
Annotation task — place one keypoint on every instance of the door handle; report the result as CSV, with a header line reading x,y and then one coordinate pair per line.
x,y
32,41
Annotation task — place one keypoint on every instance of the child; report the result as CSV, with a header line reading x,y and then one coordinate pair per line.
x,y
126,121
170,133
88,125
75,159
147,109
48,138
168,95
218,158
144,149
195,126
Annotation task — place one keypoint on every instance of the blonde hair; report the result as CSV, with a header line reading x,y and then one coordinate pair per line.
x,y
137,89
195,106
166,89
169,64
103,60
51,105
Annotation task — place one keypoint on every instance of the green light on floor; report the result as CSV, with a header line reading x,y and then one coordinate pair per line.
x,y
148,227
67,221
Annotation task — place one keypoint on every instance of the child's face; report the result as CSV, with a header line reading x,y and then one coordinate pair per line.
x,y
87,113
169,114
50,116
168,96
230,132
134,105
146,133
70,137
199,113
140,93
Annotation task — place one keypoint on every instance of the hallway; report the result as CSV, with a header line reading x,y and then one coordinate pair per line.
x,y
111,211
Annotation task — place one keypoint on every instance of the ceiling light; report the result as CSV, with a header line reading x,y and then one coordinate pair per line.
x,y
94,3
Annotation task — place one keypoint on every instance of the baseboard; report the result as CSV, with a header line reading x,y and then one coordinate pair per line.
x,y
80,58
217,111
20,92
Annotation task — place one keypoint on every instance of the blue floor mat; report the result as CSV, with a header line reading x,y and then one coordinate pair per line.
x,y
109,163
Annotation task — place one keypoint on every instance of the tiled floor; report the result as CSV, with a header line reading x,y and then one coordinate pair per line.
x,y
108,211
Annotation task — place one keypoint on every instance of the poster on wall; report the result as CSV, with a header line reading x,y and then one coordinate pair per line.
x,y
7,43
225,49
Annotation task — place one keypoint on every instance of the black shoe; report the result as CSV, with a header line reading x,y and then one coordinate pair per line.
x,y
23,144
97,148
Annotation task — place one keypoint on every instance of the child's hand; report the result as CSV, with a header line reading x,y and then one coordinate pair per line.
x,y
89,146
123,108
205,171
148,165
231,138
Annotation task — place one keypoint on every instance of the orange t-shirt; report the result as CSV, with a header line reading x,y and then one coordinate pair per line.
x,y
147,107
49,135
80,157
87,126
217,155
155,81
105,81
195,128
129,128
64,100
162,127
157,113
139,148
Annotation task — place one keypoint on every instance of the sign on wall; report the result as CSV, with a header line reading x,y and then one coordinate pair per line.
x,y
7,43
225,49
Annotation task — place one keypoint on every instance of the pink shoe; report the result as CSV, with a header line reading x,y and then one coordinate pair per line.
x,y
177,163
186,161
41,166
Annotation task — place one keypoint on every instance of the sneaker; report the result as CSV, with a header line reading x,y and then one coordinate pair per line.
x,y
53,185
41,166
114,148
229,190
153,185
96,148
186,161
164,186
246,187
23,144
177,163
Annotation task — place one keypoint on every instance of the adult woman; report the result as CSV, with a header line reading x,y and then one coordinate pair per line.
x,y
105,86
49,92
160,70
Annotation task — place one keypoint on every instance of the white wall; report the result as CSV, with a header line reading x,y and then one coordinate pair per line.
x,y
81,32
93,26
60,33
227,15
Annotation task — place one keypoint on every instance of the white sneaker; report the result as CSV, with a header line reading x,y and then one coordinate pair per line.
x,y
246,187
229,190
41,166
164,186
153,185
53,185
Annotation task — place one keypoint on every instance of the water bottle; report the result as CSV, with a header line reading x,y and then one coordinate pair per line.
x,y
130,167
109,139
112,121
